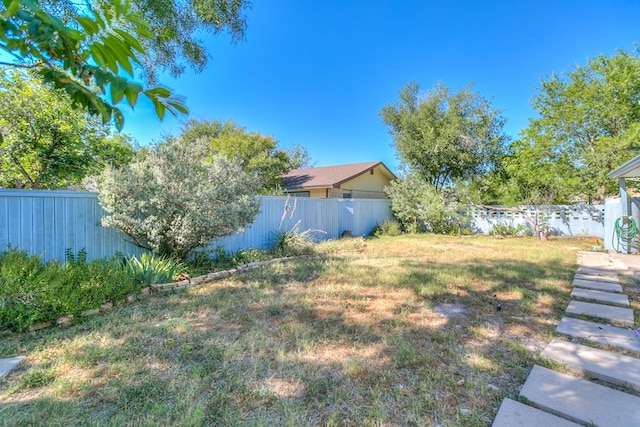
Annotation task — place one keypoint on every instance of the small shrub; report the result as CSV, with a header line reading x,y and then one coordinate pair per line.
x,y
245,256
178,197
206,261
150,268
32,291
502,229
388,227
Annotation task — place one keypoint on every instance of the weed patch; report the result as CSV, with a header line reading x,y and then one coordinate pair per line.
x,y
401,331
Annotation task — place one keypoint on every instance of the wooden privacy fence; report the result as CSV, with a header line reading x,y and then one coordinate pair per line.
x,y
47,223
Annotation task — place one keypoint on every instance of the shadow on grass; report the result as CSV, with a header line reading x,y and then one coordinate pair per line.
x,y
322,341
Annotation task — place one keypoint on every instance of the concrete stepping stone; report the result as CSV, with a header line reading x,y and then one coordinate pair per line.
x,y
600,271
620,315
604,365
579,400
512,414
599,333
608,297
6,365
598,286
600,264
596,278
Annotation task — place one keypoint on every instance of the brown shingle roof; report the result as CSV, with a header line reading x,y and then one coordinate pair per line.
x,y
327,176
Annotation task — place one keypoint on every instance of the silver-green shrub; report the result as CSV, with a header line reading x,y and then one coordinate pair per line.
x,y
419,206
177,197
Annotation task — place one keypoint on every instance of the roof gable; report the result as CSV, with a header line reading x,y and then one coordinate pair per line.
x,y
329,176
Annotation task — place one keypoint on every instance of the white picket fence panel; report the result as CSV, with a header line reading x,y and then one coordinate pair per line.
x,y
47,223
561,220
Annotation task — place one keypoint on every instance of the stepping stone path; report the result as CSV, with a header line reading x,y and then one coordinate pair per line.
x,y
558,399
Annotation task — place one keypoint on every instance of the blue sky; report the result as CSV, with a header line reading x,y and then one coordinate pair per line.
x,y
317,73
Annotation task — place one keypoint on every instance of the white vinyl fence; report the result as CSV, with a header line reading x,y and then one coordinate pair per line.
x,y
47,223
561,220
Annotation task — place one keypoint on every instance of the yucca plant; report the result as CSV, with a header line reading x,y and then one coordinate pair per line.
x,y
150,268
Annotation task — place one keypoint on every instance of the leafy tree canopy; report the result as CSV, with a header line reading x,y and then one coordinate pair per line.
x,y
444,136
257,153
47,143
86,48
528,174
175,27
587,125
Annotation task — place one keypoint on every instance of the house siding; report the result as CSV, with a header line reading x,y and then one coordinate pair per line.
x,y
366,185
368,182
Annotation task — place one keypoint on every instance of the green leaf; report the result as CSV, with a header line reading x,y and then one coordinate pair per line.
x,y
75,35
11,9
118,87
159,92
128,38
110,57
117,7
33,29
132,92
159,107
88,25
118,119
142,26
100,77
178,106
120,52
100,22
97,55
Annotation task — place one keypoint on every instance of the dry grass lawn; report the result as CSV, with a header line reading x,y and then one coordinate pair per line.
x,y
404,331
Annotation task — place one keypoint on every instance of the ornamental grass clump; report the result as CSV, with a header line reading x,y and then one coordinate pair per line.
x,y
149,268
292,242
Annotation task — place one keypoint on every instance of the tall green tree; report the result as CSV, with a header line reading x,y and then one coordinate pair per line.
x,y
257,153
444,136
589,116
46,142
529,174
